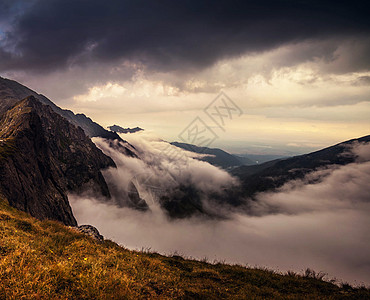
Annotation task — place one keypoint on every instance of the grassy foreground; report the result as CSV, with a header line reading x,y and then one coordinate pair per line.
x,y
46,260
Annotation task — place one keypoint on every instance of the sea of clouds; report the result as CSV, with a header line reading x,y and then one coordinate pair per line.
x,y
322,226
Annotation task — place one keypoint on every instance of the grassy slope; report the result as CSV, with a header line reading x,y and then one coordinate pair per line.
x,y
46,260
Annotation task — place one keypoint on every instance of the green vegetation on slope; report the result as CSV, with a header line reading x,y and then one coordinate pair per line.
x,y
46,260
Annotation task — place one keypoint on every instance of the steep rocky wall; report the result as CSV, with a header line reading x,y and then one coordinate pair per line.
x,y
42,156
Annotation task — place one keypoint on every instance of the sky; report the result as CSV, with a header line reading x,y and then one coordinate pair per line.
x,y
297,72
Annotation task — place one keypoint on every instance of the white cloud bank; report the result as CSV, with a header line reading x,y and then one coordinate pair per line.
x,y
324,226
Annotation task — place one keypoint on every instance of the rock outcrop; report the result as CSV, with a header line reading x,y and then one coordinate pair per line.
x,y
90,231
119,129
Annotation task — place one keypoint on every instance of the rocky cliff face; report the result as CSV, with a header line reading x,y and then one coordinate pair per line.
x,y
42,156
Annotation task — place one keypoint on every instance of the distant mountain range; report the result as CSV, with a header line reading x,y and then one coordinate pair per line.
x,y
273,174
264,177
225,160
119,129
215,156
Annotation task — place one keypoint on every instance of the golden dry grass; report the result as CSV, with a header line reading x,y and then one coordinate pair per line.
x,y
46,260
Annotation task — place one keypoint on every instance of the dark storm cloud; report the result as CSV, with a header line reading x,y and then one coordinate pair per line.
x,y
166,35
7,9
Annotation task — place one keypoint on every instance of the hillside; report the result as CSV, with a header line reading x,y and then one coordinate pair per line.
x,y
46,260
274,174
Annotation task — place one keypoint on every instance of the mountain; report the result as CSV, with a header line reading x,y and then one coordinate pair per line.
x,y
216,157
46,260
42,157
119,129
274,174
225,160
12,91
185,200
46,152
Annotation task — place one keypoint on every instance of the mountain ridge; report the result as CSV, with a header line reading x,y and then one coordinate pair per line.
x,y
273,174
12,91
216,156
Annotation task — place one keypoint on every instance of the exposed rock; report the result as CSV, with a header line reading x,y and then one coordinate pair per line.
x,y
119,129
123,147
90,231
134,197
182,202
127,196
42,156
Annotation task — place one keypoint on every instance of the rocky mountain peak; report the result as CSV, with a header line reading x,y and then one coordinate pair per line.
x,y
42,156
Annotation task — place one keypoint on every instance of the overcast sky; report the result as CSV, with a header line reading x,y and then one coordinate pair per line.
x,y
299,70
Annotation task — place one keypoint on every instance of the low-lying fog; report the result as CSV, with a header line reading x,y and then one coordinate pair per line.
x,y
323,226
